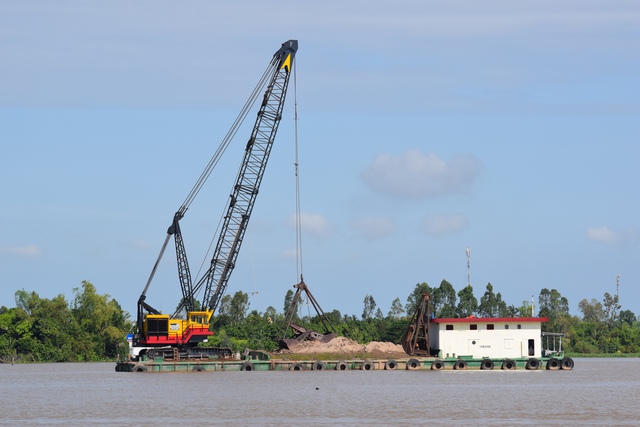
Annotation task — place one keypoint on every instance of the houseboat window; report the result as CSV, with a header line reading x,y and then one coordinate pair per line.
x,y
506,326
519,326
490,327
531,348
449,327
473,327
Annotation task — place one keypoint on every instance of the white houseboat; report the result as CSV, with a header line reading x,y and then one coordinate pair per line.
x,y
510,341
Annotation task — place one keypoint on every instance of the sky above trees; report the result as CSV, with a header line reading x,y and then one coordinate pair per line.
x,y
424,128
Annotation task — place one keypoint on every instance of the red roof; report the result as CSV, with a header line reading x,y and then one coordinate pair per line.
x,y
491,320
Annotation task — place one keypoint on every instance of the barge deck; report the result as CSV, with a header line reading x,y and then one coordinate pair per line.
x,y
412,364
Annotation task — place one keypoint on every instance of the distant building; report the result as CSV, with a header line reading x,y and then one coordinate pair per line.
x,y
502,337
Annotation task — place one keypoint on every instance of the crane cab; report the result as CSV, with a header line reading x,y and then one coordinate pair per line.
x,y
161,330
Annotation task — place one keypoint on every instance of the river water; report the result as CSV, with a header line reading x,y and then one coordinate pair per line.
x,y
597,392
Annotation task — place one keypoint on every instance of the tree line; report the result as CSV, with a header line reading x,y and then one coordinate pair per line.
x,y
92,327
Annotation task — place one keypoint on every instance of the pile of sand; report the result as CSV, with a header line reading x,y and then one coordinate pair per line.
x,y
344,347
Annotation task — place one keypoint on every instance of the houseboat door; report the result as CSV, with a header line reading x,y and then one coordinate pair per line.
x,y
528,348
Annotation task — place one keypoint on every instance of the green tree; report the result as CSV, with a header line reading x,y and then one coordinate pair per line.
x,y
288,299
555,307
92,327
592,311
369,307
233,308
271,314
524,310
468,304
45,329
446,297
100,321
393,331
629,338
592,320
628,317
415,297
503,309
611,307
27,301
55,328
25,344
552,304
8,334
335,317
396,309
237,306
489,306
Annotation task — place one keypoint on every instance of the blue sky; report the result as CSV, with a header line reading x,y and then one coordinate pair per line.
x,y
424,128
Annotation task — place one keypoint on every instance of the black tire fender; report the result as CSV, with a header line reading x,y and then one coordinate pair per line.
x,y
508,365
318,365
139,367
391,365
566,363
532,364
367,366
297,367
460,365
198,368
342,366
413,364
437,365
553,364
486,364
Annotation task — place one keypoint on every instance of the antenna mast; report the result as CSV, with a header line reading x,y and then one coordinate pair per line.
x,y
468,266
533,307
617,295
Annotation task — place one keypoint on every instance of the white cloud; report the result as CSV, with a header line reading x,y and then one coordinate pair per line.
x,y
30,251
439,225
417,175
140,244
372,228
312,223
605,235
290,253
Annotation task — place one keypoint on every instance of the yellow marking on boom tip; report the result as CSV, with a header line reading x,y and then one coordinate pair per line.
x,y
287,63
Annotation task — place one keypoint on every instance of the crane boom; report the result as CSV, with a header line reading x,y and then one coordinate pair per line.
x,y
156,329
245,189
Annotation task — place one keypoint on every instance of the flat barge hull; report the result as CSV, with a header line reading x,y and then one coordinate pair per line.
x,y
414,364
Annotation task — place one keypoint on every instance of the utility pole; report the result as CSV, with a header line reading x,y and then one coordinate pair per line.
x,y
468,266
617,306
533,307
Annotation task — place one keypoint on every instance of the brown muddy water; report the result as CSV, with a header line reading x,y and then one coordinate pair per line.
x,y
598,392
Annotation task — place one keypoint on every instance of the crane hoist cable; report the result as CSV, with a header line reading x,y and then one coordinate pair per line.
x,y
302,297
298,213
299,254
245,189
